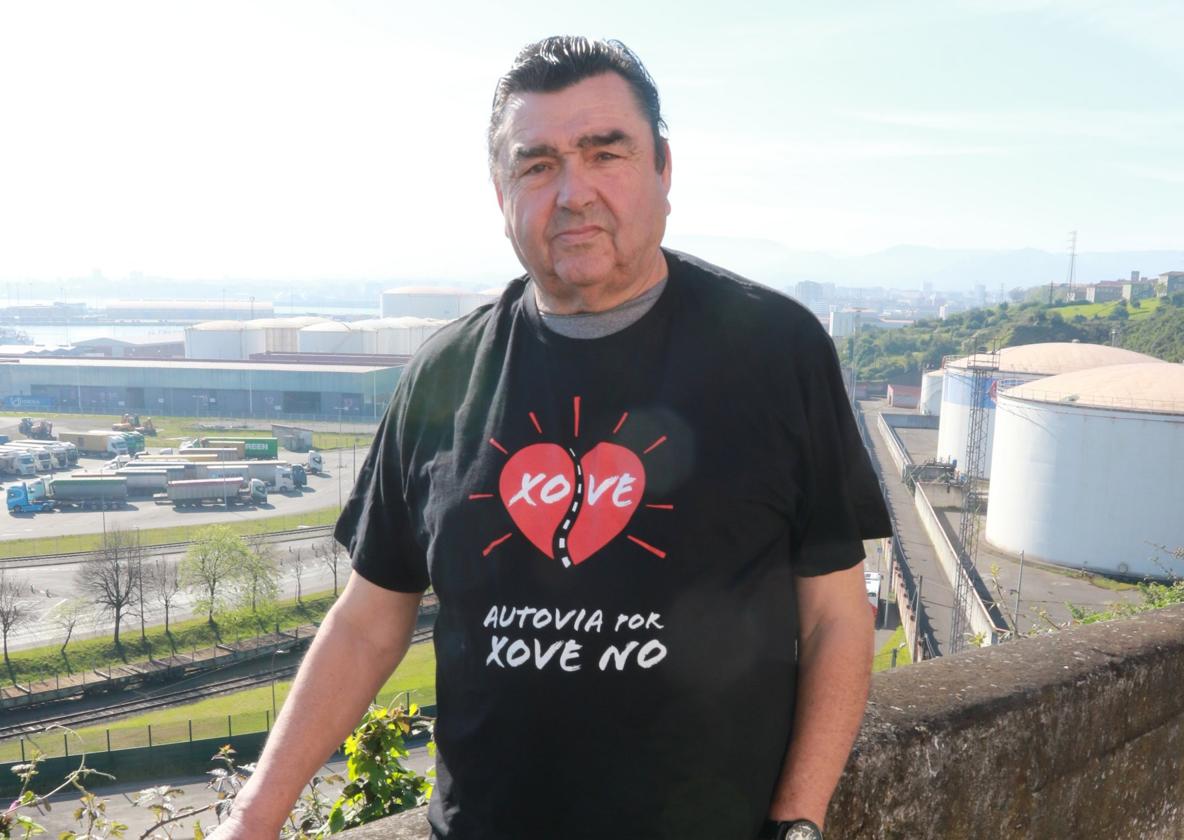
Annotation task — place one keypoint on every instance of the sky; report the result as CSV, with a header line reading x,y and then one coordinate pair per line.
x,y
312,140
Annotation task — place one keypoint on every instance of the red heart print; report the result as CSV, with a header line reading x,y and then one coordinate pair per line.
x,y
567,511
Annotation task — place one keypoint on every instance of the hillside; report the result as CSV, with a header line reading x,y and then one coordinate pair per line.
x,y
1154,327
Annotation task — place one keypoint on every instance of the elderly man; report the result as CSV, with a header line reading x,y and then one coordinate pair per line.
x,y
636,487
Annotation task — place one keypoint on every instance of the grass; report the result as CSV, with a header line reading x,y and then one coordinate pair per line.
x,y
883,657
35,546
86,655
172,430
215,717
1145,309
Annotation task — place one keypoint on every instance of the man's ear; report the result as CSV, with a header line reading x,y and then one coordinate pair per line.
x,y
666,173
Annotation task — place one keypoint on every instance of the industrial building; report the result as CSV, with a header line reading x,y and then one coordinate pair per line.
x,y
228,339
1016,365
187,310
240,340
1087,470
223,388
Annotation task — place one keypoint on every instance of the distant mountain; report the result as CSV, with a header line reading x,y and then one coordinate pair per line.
x,y
911,266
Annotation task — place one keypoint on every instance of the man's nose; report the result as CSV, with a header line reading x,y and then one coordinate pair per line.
x,y
575,187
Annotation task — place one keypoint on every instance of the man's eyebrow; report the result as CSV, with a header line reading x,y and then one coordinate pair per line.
x,y
521,153
611,138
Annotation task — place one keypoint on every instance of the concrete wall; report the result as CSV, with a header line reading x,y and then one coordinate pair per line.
x,y
1077,734
978,614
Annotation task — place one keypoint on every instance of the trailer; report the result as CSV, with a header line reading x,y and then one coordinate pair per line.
x,y
100,443
206,444
17,462
42,457
219,453
88,491
134,440
142,482
227,491
277,475
261,448
178,470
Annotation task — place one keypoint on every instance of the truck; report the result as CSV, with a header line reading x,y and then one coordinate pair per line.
x,y
263,448
219,453
144,482
42,457
100,443
36,428
58,452
228,491
177,470
17,462
206,445
277,475
299,478
134,441
80,491
316,463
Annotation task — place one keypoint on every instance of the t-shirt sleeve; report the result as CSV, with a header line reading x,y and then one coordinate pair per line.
x,y
375,524
842,502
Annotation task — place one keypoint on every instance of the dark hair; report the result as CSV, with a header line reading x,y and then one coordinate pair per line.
x,y
561,61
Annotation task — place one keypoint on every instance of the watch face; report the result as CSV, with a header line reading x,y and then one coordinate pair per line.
x,y
803,831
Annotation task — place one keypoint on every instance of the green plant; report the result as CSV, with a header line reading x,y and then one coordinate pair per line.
x,y
379,784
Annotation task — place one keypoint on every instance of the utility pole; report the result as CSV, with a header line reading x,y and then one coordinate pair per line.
x,y
1072,258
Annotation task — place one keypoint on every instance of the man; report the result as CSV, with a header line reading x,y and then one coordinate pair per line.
x,y
636,487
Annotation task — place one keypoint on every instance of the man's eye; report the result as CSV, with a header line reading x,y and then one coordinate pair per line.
x,y
606,156
535,169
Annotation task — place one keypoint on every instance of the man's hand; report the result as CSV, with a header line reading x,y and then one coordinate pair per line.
x,y
834,670
361,641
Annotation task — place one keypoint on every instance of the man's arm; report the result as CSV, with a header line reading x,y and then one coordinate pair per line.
x,y
834,670
361,641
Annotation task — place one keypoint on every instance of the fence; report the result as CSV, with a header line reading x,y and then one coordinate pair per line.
x,y
62,743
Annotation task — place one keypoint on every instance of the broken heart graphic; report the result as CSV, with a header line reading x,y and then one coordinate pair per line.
x,y
571,510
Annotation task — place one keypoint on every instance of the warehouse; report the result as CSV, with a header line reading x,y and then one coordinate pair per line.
x,y
1086,471
199,388
1016,365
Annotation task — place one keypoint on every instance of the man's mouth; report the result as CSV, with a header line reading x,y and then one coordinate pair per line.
x,y
578,234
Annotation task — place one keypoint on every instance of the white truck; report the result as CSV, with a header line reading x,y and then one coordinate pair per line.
x,y
227,491
277,475
59,455
17,461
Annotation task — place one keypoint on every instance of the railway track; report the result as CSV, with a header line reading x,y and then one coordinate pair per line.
x,y
161,699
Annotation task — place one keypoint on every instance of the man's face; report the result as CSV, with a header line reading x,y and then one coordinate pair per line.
x,y
576,180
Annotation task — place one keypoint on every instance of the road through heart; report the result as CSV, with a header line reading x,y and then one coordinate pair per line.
x,y
570,512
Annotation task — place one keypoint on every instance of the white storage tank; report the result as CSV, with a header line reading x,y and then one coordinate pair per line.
x,y
930,402
1088,470
215,340
1017,365
276,335
400,336
435,302
336,337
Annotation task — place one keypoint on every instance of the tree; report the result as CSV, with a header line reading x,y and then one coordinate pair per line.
x,y
299,563
260,574
15,610
163,582
329,553
111,575
212,566
68,615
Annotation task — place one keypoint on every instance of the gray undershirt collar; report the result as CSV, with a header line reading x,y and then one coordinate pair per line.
x,y
586,325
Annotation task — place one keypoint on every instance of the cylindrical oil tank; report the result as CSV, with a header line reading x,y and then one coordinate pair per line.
x,y
334,337
930,402
276,335
430,302
1016,365
1088,470
215,340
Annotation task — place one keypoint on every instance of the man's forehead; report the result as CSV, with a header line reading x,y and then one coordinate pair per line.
x,y
599,106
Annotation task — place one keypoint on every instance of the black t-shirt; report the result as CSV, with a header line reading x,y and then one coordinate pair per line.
x,y
613,527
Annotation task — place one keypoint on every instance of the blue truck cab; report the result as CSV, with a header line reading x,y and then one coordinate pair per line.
x,y
28,497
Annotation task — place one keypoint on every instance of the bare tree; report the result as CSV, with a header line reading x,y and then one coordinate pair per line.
x,y
330,555
163,582
260,574
299,563
68,615
111,575
212,566
15,610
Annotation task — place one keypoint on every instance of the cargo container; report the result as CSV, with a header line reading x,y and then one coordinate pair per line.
x,y
228,491
264,448
202,444
220,453
96,443
275,474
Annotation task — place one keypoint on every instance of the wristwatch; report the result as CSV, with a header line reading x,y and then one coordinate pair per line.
x,y
792,830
